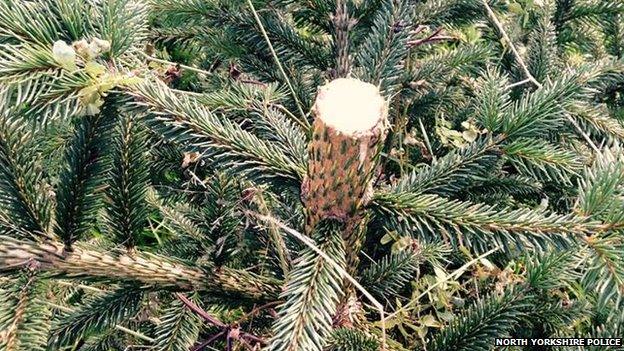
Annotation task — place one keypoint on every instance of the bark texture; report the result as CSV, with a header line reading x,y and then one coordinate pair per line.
x,y
348,133
341,162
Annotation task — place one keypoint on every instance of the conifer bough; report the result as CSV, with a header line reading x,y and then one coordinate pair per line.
x,y
350,122
142,267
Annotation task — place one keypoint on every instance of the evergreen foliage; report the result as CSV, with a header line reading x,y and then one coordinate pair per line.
x,y
154,163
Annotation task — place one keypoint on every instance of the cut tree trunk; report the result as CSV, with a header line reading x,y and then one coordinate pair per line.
x,y
350,123
348,132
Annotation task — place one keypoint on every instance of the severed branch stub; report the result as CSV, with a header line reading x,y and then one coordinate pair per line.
x,y
347,135
348,132
350,123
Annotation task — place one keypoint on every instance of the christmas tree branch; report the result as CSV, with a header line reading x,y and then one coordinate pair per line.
x,y
525,69
343,273
140,267
342,26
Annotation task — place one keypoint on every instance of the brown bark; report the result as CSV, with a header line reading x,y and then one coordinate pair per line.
x,y
341,163
341,166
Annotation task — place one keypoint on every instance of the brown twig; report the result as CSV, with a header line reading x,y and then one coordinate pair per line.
x,y
433,37
255,311
200,312
253,81
208,341
418,29
231,332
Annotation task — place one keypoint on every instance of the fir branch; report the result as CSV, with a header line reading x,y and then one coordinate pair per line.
x,y
241,97
276,59
109,340
77,194
176,11
380,55
388,276
264,203
490,317
126,211
21,181
49,94
441,67
342,24
510,44
600,197
314,14
24,323
434,12
453,172
343,339
272,125
97,315
592,9
312,294
491,99
288,44
542,60
501,185
21,61
597,121
179,328
234,124
123,23
612,328
601,188
178,219
145,268
564,94
187,122
605,271
551,271
543,161
28,21
73,16
476,225
542,111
